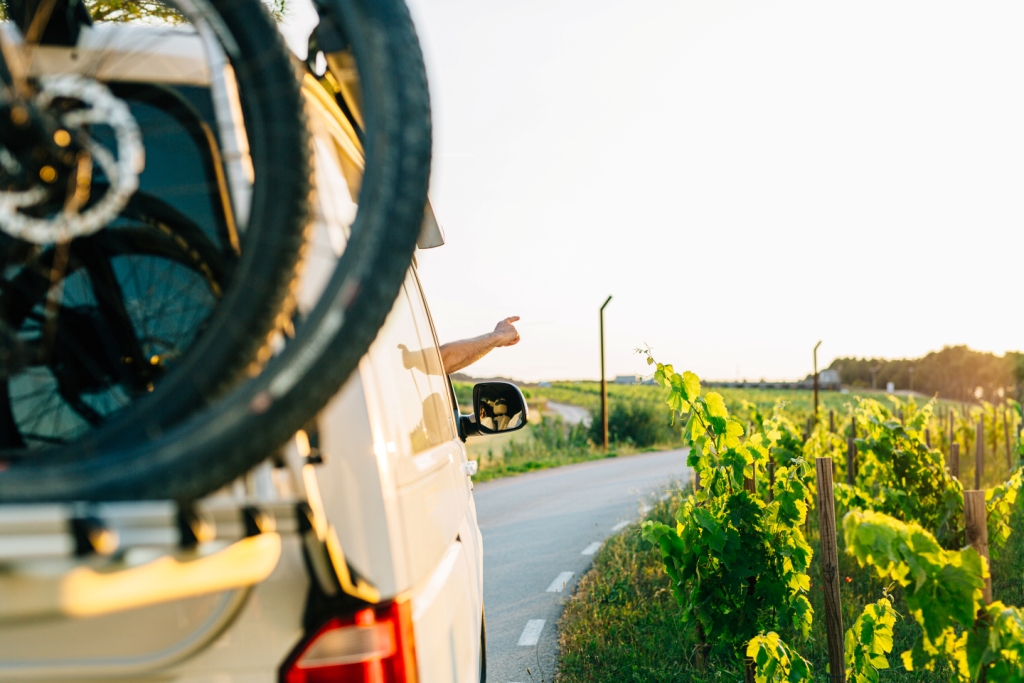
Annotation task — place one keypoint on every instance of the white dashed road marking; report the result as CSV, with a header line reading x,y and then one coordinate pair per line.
x,y
531,634
560,582
620,526
592,548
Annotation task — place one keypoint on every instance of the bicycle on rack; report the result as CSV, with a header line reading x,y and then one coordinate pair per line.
x,y
154,183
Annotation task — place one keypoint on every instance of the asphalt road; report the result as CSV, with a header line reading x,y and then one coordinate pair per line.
x,y
541,531
570,413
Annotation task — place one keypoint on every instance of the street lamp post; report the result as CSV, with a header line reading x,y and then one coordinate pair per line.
x,y
604,383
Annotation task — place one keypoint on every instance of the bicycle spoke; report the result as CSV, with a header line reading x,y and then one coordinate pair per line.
x,y
122,338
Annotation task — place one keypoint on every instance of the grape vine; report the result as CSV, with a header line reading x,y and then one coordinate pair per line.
x,y
943,588
738,565
869,640
899,475
738,558
777,662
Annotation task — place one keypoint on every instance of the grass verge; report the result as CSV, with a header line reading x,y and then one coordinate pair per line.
x,y
622,623
542,445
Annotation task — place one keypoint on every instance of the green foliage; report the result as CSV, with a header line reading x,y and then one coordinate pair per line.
x,y
776,662
738,565
943,588
133,10
999,501
621,623
153,11
634,422
955,372
897,474
996,645
464,394
943,585
552,434
869,640
546,442
736,558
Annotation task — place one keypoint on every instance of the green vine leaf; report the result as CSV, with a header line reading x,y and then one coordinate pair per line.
x,y
777,662
869,640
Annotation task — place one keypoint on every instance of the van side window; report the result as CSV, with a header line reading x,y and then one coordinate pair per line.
x,y
410,368
431,354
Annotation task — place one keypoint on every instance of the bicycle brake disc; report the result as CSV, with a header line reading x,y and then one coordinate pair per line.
x,y
43,213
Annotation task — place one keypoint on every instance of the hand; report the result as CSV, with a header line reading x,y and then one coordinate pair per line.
x,y
505,332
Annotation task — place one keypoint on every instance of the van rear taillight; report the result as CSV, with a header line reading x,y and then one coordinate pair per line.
x,y
374,645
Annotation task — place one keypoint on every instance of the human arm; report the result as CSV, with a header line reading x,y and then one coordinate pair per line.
x,y
458,354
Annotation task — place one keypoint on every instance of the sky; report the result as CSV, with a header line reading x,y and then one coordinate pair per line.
x,y
744,178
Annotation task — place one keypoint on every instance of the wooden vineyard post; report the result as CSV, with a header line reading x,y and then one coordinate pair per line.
x,y
771,480
927,438
951,430
976,528
979,454
831,422
814,415
954,460
830,570
748,670
853,427
750,483
851,461
1006,437
696,480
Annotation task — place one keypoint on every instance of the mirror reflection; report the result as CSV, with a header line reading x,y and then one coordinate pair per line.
x,y
499,407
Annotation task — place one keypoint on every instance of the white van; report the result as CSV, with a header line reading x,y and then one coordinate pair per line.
x,y
353,555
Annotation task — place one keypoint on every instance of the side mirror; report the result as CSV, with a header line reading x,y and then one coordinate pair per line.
x,y
498,407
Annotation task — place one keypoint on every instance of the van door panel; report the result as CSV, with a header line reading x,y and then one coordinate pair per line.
x,y
350,486
440,540
431,511
445,632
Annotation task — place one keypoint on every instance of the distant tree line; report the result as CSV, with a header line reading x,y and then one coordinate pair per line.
x,y
955,372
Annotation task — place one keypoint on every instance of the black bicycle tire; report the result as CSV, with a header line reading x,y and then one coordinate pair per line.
x,y
259,297
210,448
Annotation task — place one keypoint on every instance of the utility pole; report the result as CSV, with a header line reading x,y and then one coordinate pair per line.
x,y
816,382
874,373
604,383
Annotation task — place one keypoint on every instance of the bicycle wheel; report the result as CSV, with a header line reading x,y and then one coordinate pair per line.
x,y
188,114
142,288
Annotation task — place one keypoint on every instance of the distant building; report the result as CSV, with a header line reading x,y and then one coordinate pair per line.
x,y
828,380
627,379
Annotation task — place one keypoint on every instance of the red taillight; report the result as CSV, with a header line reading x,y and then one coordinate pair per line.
x,y
374,645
